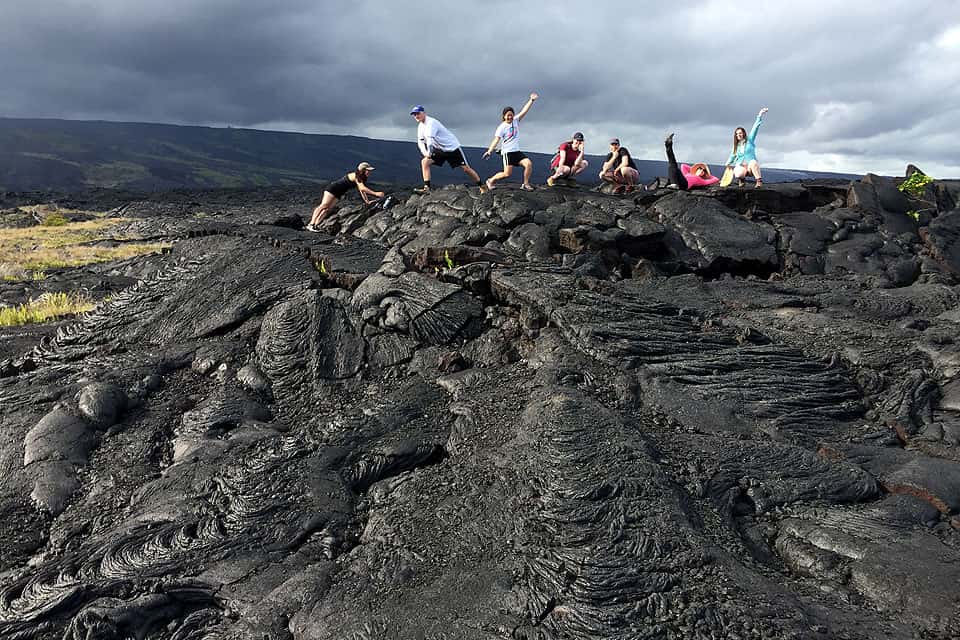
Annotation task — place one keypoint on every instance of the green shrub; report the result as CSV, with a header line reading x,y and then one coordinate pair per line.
x,y
915,184
54,220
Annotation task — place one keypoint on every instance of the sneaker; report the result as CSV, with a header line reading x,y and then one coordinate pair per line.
x,y
668,141
741,183
551,181
489,184
653,186
423,189
759,183
312,228
527,187
619,188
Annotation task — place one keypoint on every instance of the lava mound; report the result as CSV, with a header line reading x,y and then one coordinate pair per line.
x,y
727,413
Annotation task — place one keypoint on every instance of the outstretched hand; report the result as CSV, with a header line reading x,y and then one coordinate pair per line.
x,y
763,111
534,96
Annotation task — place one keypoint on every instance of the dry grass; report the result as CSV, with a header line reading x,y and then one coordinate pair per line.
x,y
47,307
35,249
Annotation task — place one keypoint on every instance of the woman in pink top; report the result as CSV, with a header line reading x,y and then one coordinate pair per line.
x,y
685,176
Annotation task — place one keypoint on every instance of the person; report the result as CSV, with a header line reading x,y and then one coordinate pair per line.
x,y
743,158
619,168
507,136
685,176
438,146
338,188
569,160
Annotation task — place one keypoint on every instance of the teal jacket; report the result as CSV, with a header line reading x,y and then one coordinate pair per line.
x,y
746,150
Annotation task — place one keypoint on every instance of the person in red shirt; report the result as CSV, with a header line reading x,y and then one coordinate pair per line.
x,y
569,160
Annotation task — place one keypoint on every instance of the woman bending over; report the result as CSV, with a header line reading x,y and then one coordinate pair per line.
x,y
338,188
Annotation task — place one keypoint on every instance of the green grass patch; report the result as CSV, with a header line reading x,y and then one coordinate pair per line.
x,y
54,220
40,248
48,306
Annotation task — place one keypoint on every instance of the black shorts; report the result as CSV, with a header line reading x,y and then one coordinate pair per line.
x,y
339,188
454,158
513,158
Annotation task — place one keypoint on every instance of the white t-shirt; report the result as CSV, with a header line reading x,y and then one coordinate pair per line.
x,y
509,134
431,135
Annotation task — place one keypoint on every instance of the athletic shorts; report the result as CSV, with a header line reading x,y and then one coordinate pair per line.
x,y
454,158
339,188
513,158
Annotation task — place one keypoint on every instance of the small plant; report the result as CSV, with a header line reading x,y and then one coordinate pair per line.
x,y
37,276
47,307
448,260
913,213
323,267
54,220
915,184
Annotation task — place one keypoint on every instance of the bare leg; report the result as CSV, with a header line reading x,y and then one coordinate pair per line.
x,y
754,168
425,168
506,173
578,168
527,165
629,176
467,169
739,171
324,208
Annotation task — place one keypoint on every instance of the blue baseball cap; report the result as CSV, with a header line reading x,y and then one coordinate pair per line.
x,y
417,109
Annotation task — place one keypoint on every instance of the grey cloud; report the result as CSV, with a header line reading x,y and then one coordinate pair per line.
x,y
701,68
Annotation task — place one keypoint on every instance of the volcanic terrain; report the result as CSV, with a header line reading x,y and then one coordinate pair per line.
x,y
729,413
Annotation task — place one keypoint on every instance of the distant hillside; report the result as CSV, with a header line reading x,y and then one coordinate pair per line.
x,y
69,155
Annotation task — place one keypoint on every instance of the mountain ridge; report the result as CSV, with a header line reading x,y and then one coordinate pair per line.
x,y
73,155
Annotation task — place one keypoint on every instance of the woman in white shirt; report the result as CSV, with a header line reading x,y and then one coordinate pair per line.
x,y
507,136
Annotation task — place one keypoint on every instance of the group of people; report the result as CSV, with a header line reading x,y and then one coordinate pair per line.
x,y
439,146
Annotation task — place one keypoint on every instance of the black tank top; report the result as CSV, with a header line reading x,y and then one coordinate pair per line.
x,y
340,187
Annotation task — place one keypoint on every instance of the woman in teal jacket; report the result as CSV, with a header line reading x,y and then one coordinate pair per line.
x,y
743,158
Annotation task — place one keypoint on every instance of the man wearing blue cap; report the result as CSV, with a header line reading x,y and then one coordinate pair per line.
x,y
438,145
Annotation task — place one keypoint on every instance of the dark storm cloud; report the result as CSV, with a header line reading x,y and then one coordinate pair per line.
x,y
850,85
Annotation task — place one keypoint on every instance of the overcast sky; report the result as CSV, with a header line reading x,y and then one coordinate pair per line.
x,y
852,86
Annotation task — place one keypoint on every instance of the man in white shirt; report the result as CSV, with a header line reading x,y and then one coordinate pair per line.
x,y
438,145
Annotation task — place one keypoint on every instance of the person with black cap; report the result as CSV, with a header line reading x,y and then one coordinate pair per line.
x,y
619,168
339,188
438,146
569,160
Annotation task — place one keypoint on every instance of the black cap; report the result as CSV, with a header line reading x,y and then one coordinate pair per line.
x,y
578,136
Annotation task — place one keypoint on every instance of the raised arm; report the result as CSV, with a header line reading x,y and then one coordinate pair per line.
x,y
756,125
526,107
